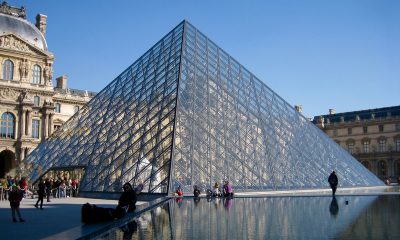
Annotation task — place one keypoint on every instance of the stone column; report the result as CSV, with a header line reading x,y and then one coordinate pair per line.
x,y
44,128
50,124
29,123
22,122
22,154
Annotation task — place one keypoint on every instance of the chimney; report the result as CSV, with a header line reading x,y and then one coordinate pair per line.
x,y
41,22
298,108
332,111
62,82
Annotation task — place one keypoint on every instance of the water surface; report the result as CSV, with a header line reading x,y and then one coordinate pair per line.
x,y
343,217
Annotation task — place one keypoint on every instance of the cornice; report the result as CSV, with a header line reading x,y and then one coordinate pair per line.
x,y
330,126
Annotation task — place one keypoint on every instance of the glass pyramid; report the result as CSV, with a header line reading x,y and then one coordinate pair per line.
x,y
186,113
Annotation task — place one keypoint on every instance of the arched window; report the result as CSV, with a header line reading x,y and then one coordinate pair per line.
x,y
57,108
382,169
76,109
8,70
366,164
350,147
36,101
7,125
36,74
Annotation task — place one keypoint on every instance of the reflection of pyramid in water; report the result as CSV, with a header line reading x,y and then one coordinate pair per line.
x,y
187,100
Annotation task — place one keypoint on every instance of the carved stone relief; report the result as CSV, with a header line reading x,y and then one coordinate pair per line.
x,y
24,70
14,43
25,97
7,93
48,74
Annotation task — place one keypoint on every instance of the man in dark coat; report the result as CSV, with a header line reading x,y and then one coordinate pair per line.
x,y
127,201
333,182
49,186
41,192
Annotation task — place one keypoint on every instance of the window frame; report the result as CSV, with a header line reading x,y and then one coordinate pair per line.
x,y
36,74
8,70
397,143
365,146
36,128
57,108
382,145
7,125
36,101
350,147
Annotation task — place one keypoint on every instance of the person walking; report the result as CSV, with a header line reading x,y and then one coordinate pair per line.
x,y
41,192
48,185
15,197
333,182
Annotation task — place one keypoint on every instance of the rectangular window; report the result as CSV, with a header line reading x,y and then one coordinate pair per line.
x,y
380,128
349,131
350,147
35,128
382,145
397,126
335,132
36,101
57,108
366,147
365,129
56,127
398,145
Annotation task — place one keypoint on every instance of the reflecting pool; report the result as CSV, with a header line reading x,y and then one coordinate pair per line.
x,y
343,217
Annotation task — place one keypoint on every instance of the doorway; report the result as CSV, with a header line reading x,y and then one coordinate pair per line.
x,y
7,162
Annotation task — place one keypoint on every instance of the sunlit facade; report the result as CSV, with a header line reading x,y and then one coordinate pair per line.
x,y
27,95
372,136
186,113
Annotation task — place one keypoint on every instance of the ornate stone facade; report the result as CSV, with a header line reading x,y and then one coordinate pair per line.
x,y
371,136
30,107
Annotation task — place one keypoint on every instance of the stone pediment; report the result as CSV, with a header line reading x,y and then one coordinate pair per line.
x,y
10,41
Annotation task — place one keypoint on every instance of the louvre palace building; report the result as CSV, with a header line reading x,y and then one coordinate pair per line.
x,y
372,136
31,107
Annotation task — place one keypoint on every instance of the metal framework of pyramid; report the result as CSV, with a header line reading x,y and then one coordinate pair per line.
x,y
186,113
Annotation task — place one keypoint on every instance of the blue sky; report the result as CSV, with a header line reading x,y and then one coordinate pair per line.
x,y
319,54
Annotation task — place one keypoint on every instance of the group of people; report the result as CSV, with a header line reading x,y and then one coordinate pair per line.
x,y
6,185
16,189
226,191
61,188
